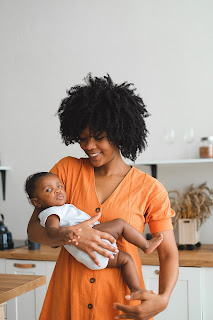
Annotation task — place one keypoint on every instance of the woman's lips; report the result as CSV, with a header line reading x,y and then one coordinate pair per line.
x,y
94,155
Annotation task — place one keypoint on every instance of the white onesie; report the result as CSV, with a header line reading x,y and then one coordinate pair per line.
x,y
69,215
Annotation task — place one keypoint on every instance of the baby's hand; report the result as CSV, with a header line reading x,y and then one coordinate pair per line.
x,y
70,236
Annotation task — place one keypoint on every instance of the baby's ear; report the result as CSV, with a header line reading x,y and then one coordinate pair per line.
x,y
35,203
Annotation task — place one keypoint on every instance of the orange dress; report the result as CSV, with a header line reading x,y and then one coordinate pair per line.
x,y
76,292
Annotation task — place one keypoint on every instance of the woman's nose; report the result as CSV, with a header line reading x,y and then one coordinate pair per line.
x,y
91,144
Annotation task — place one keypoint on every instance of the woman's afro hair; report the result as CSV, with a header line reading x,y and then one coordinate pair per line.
x,y
104,106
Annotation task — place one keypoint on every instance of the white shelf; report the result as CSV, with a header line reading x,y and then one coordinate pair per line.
x,y
4,168
153,164
180,161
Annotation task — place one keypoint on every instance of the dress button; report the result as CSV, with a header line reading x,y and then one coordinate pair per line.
x,y
92,280
90,306
97,209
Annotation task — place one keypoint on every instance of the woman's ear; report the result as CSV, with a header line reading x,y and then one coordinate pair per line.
x,y
35,203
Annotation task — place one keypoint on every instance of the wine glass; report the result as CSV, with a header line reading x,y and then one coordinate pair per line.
x,y
170,136
189,135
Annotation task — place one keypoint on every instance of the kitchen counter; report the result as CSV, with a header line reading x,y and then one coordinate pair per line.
x,y
200,257
45,253
13,285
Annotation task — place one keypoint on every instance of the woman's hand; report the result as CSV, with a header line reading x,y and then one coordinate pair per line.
x,y
151,304
90,240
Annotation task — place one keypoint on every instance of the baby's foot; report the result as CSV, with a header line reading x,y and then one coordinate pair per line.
x,y
139,289
153,243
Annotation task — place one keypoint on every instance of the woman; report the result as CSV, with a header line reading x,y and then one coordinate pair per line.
x,y
108,121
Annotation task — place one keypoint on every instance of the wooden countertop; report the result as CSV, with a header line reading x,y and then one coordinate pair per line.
x,y
45,253
200,257
13,285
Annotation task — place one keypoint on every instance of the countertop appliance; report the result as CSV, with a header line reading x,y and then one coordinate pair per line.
x,y
6,239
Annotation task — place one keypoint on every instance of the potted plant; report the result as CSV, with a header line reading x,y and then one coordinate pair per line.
x,y
192,208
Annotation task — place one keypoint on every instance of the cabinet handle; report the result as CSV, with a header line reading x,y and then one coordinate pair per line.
x,y
24,266
156,271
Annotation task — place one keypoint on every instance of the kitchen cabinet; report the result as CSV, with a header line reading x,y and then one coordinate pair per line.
x,y
50,265
14,285
207,285
186,301
16,308
2,265
3,270
27,306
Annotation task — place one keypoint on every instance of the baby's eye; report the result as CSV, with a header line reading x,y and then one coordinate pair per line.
x,y
48,190
60,187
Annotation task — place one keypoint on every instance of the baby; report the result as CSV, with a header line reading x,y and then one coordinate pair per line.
x,y
47,193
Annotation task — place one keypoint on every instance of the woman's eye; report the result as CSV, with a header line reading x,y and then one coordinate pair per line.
x,y
99,138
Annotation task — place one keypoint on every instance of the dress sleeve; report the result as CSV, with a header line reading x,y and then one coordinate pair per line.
x,y
67,169
60,169
159,212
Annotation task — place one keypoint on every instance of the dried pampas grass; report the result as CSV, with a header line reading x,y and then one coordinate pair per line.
x,y
195,203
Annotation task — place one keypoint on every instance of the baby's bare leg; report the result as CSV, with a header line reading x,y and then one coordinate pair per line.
x,y
124,261
118,227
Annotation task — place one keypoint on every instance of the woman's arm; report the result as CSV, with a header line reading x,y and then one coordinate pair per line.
x,y
90,239
169,264
152,304
37,233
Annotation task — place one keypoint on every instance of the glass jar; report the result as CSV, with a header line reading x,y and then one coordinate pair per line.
x,y
206,147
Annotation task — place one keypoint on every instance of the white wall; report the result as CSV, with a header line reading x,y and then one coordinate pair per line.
x,y
164,47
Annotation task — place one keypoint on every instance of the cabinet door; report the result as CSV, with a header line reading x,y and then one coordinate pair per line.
x,y
207,285
50,265
2,266
27,306
3,270
185,301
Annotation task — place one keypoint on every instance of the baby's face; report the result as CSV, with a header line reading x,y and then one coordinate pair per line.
x,y
50,191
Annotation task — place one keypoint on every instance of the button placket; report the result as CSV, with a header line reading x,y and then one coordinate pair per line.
x,y
92,280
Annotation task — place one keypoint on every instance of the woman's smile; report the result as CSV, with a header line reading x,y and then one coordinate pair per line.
x,y
94,155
